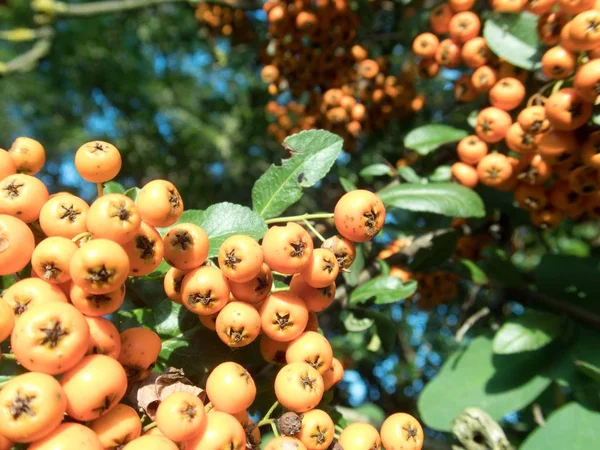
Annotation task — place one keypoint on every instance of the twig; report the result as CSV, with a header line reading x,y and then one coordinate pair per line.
x,y
470,322
27,61
300,218
314,230
538,416
533,298
58,8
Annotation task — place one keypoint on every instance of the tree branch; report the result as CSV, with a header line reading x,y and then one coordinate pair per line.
x,y
27,60
533,298
64,9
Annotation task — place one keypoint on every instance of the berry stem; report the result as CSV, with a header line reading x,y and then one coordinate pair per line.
x,y
149,427
8,357
271,410
338,428
81,236
300,218
314,230
274,428
265,422
100,187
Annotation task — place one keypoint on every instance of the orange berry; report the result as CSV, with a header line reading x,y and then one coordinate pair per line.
x,y
359,215
118,427
312,348
316,299
16,244
180,416
299,387
205,290
64,215
63,437
240,258
284,316
238,324
256,289
145,250
287,249
51,259
159,203
402,431
114,217
28,155
104,337
7,164
360,436
186,246
98,161
22,196
99,266
139,351
228,378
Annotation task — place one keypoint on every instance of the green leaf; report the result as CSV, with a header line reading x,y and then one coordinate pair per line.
x,y
572,427
9,369
448,199
385,289
475,273
223,220
347,184
133,193
472,118
589,370
313,154
514,38
366,413
112,187
441,174
531,331
427,138
199,350
357,322
433,249
6,281
475,377
409,174
376,170
571,279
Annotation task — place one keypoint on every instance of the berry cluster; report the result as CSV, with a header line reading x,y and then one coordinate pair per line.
x,y
545,153
332,81
81,256
223,20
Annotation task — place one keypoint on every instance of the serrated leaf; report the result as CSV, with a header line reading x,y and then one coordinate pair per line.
x,y
409,174
589,370
375,170
475,377
313,154
347,184
221,221
531,331
427,138
385,289
514,38
572,427
448,199
112,187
